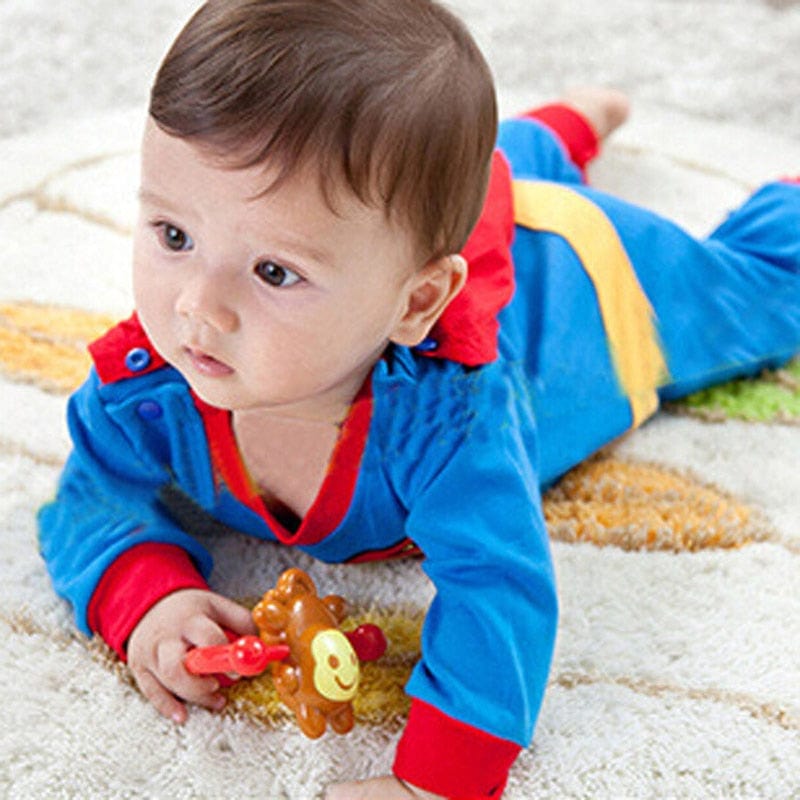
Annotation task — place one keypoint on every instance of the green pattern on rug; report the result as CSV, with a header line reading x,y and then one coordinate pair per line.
x,y
774,396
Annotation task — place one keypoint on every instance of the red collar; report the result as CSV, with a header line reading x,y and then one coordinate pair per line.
x,y
467,330
124,351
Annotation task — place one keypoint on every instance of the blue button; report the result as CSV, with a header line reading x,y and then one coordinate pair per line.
x,y
137,359
427,345
149,410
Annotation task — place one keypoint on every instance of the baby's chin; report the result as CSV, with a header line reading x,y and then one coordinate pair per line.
x,y
213,396
223,395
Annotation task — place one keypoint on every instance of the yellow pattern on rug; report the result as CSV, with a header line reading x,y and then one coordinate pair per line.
x,y
605,501
637,506
46,345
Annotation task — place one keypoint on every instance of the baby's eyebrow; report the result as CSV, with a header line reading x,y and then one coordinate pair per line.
x,y
308,252
154,199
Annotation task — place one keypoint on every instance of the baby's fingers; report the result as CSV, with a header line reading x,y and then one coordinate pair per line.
x,y
231,615
203,690
387,787
162,700
166,683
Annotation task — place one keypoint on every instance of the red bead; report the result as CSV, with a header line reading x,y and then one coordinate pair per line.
x,y
368,641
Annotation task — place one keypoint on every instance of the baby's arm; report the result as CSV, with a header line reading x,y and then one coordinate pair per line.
x,y
475,511
129,571
157,647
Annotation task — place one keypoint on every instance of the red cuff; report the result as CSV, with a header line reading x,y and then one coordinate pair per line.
x,y
134,583
573,130
447,757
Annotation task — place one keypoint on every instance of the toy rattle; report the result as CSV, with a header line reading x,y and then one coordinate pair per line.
x,y
315,665
247,656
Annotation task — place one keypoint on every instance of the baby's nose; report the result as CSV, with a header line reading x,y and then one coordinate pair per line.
x,y
207,300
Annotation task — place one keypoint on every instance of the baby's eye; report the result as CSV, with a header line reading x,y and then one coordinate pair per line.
x,y
173,238
276,275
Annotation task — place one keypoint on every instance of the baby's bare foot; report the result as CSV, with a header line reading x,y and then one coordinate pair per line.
x,y
606,109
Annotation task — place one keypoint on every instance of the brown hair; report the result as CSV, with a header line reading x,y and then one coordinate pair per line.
x,y
392,95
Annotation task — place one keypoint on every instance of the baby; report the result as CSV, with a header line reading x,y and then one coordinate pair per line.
x,y
369,324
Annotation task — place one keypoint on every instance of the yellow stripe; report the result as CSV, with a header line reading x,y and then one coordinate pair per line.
x,y
626,312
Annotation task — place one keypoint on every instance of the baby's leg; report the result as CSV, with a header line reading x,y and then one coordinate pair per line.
x,y
724,306
708,309
603,108
567,134
733,308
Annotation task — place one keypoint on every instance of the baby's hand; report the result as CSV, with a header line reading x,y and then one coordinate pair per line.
x,y
156,649
385,788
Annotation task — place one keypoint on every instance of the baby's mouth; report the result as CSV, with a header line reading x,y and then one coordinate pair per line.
x,y
206,364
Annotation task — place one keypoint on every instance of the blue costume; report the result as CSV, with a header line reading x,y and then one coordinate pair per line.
x,y
613,308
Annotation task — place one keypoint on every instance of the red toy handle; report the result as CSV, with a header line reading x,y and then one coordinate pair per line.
x,y
247,655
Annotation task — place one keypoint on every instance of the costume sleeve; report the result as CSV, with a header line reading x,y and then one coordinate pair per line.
x,y
106,511
488,636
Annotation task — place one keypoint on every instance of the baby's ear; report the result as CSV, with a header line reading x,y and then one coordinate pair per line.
x,y
430,290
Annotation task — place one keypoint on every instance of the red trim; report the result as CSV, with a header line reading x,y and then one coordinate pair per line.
x,y
133,584
447,757
335,494
791,180
467,330
110,350
404,549
573,130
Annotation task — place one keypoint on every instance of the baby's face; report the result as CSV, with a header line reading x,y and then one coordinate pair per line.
x,y
275,302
